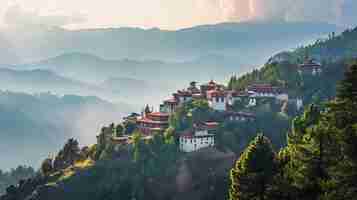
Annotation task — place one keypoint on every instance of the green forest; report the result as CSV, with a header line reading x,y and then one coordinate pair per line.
x,y
319,161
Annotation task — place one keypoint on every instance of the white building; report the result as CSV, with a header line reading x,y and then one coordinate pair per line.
x,y
183,96
201,137
266,91
217,99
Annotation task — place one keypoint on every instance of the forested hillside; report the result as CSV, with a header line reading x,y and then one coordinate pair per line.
x,y
334,53
319,161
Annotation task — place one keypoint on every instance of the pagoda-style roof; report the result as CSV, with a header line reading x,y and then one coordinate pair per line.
x,y
216,93
159,114
150,121
209,125
311,63
171,101
183,93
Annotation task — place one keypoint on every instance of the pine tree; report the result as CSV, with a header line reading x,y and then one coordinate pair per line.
x,y
253,172
347,89
342,114
309,148
46,166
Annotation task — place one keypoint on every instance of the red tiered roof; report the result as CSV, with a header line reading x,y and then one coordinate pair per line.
x,y
150,121
159,114
211,124
171,101
157,118
183,93
216,93
212,83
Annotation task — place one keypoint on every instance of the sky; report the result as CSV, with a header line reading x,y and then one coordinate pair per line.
x,y
170,14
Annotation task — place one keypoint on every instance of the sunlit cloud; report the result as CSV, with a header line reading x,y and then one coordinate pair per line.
x,y
17,16
172,14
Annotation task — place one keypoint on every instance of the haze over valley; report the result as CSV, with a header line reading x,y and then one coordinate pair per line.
x,y
123,66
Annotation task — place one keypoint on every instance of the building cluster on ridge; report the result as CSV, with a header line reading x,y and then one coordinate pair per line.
x,y
220,99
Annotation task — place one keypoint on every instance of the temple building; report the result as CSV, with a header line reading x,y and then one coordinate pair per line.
x,y
217,99
169,106
202,136
310,67
152,122
183,96
210,86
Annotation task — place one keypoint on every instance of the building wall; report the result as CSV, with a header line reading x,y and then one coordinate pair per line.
x,y
184,99
219,105
195,143
255,94
281,97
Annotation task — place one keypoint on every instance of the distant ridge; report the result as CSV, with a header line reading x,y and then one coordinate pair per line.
x,y
167,45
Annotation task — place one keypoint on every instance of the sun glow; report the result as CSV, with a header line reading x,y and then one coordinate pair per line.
x,y
251,8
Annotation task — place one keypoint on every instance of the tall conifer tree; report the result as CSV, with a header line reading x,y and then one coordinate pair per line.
x,y
253,172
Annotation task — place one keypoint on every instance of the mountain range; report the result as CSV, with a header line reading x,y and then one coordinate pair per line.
x,y
32,126
239,40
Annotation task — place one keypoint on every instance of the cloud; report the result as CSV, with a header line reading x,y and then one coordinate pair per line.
x,y
173,14
17,16
332,11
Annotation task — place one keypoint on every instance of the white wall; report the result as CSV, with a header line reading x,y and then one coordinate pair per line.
x,y
218,105
184,99
195,143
